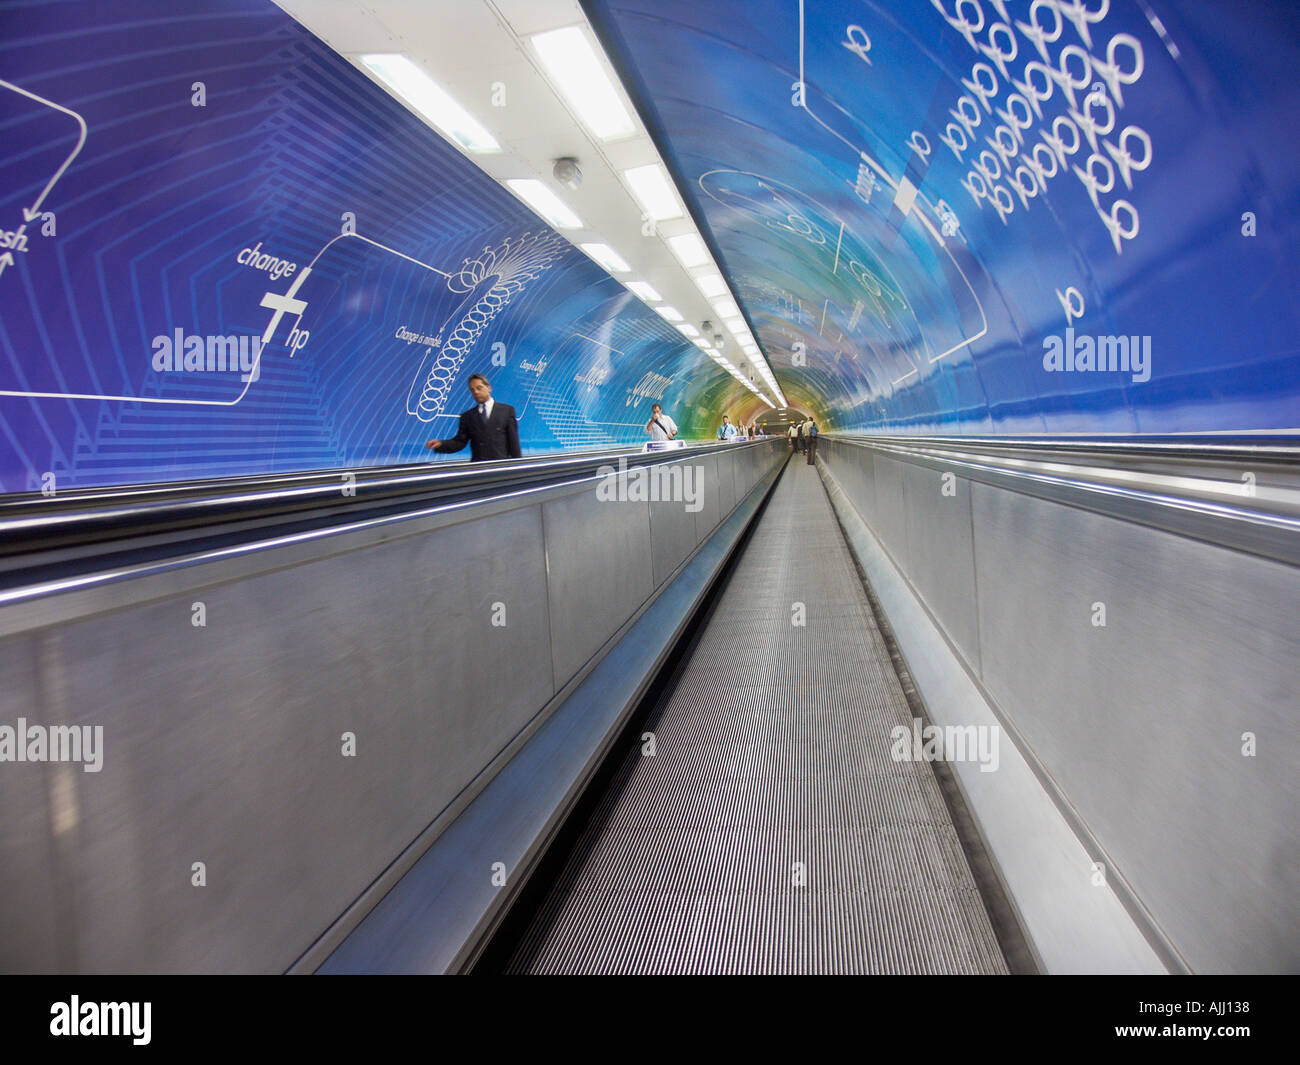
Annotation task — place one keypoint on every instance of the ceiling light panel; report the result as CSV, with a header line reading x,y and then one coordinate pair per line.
x,y
646,291
541,199
574,67
408,80
607,257
653,191
689,249
711,285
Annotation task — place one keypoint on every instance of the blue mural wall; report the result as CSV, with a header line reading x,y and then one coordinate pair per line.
x,y
287,272
994,216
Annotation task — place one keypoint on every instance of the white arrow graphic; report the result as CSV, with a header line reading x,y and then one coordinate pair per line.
x,y
31,212
6,260
280,304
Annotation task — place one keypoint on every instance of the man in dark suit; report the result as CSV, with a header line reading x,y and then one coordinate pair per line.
x,y
490,428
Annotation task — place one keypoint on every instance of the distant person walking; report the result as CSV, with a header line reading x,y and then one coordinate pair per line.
x,y
812,442
791,433
726,431
798,438
490,428
660,426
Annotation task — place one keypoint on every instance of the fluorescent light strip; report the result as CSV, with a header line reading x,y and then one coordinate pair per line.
x,y
541,199
647,292
576,69
607,257
407,79
689,249
653,191
711,285
671,313
689,330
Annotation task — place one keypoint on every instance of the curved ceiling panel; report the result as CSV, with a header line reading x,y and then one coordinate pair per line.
x,y
227,251
993,216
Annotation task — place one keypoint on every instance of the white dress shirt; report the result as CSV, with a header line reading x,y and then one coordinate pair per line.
x,y
659,434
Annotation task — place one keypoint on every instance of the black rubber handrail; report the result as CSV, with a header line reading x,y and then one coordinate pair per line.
x,y
98,517
1192,491
1270,449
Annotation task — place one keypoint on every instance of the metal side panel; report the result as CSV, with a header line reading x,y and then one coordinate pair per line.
x,y
672,534
37,811
750,461
708,516
771,830
1142,721
941,556
887,518
727,480
224,743
599,571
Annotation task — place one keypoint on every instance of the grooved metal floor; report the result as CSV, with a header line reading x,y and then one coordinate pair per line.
x,y
771,832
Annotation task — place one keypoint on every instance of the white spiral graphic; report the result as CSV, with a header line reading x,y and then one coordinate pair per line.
x,y
508,268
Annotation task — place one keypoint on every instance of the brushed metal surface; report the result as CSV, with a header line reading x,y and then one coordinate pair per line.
x,y
599,571
887,515
35,930
941,558
773,753
1247,498
727,459
708,516
1141,721
435,917
52,602
1137,726
223,743
672,537
1073,925
743,469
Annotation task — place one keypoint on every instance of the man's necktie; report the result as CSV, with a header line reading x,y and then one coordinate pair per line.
x,y
482,410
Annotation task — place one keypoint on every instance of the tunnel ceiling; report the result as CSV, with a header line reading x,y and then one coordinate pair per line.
x,y
944,190
227,250
993,216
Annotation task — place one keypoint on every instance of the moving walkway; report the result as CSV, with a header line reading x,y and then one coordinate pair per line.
x,y
305,693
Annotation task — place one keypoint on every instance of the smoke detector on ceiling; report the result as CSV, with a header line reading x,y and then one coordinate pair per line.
x,y
566,172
